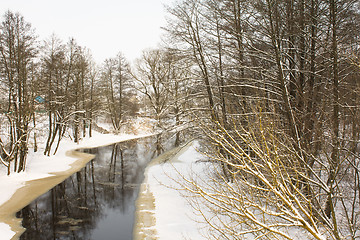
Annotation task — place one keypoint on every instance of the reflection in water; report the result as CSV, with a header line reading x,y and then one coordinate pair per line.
x,y
96,203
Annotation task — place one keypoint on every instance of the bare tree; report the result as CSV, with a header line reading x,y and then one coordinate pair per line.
x,y
188,27
17,46
118,89
283,68
153,79
53,74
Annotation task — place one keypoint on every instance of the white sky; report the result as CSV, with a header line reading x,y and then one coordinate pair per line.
x,y
104,26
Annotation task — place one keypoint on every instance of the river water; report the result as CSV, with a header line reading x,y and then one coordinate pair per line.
x,y
96,203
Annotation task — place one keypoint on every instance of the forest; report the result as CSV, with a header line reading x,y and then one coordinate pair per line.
x,y
271,87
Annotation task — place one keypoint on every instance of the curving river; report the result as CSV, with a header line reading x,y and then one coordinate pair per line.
x,y
97,202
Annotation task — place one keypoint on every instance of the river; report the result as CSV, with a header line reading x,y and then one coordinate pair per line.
x,y
97,202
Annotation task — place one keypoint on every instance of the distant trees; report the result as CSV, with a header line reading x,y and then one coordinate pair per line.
x,y
161,77
118,90
154,69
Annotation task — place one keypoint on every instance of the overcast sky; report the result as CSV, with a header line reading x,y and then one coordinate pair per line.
x,y
104,26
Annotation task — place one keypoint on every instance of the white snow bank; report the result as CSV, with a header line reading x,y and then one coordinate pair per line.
x,y
40,166
5,231
175,218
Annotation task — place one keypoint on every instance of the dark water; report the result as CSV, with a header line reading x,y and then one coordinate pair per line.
x,y
97,203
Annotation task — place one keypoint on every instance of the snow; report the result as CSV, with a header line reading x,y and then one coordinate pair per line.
x,y
40,166
5,231
175,218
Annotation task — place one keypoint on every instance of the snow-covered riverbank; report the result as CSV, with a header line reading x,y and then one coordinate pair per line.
x,y
39,166
162,210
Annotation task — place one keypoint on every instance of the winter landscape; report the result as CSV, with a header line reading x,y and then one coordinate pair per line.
x,y
241,122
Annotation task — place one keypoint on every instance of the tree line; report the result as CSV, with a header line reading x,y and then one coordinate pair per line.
x,y
59,82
